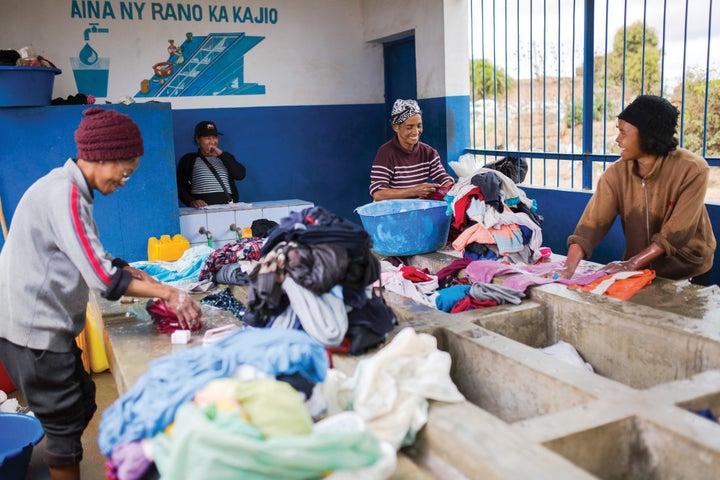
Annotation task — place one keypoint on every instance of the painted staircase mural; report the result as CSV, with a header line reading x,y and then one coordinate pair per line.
x,y
203,66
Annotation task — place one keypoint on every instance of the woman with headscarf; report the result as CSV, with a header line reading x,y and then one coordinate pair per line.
x,y
404,165
658,190
50,261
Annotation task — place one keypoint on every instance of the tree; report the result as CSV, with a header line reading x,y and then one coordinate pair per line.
x,y
637,75
574,111
488,79
694,114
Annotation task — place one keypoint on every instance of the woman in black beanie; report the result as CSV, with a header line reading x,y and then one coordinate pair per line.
x,y
658,190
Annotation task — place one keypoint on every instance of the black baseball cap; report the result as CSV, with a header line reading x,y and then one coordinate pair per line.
x,y
206,128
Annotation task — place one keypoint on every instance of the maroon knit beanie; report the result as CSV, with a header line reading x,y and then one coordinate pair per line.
x,y
107,135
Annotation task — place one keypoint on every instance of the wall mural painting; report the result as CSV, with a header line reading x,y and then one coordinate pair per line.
x,y
90,70
195,66
209,65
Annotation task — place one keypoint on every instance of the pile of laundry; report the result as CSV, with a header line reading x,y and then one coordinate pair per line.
x,y
312,271
316,273
449,290
263,403
494,219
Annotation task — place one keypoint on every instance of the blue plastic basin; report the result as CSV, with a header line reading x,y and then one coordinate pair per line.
x,y
18,435
406,227
26,86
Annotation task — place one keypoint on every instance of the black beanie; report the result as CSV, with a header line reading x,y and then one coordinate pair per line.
x,y
652,115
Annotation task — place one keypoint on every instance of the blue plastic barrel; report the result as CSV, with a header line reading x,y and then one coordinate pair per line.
x,y
18,435
407,226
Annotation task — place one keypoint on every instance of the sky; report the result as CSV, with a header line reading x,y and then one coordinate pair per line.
x,y
702,16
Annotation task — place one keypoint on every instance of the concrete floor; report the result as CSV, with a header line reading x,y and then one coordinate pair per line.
x,y
93,464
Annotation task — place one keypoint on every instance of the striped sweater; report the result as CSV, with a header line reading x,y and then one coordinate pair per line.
x,y
397,167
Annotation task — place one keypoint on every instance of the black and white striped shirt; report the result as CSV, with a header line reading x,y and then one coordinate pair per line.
x,y
203,180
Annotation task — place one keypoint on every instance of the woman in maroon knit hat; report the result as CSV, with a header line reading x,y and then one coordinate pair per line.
x,y
51,258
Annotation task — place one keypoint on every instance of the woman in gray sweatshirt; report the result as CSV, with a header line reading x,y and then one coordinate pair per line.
x,y
50,260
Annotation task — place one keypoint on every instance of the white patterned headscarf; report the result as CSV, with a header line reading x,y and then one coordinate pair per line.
x,y
404,109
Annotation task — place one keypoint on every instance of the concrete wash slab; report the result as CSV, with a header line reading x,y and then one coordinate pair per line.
x,y
530,415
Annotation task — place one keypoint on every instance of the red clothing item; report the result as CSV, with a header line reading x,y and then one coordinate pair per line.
x,y
461,205
165,319
414,275
469,303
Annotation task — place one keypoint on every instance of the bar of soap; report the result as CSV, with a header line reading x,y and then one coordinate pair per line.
x,y
180,337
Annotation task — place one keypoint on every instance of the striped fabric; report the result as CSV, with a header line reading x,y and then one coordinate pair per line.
x,y
203,180
396,167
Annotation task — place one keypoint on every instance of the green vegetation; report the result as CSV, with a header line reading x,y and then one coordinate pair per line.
x,y
489,81
636,75
574,111
631,68
694,114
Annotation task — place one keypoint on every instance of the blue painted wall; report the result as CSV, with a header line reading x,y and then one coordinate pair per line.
x,y
38,139
446,123
562,209
322,154
318,153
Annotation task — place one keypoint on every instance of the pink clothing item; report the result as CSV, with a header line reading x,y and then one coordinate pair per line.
x,y
485,270
524,276
474,233
165,319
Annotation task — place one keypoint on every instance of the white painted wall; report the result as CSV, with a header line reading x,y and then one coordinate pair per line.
x,y
441,29
319,52
314,55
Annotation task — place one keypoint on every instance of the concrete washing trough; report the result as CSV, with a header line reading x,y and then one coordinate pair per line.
x,y
656,361
530,415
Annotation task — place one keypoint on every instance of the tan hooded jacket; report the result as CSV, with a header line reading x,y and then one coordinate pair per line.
x,y
666,207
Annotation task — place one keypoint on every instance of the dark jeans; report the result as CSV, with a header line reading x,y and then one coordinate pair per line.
x,y
58,391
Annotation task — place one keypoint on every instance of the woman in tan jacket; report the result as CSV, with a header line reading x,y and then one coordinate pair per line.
x,y
658,190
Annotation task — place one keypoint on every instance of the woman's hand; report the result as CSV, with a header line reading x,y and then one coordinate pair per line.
x,y
198,203
187,310
215,151
619,266
424,189
574,256
559,273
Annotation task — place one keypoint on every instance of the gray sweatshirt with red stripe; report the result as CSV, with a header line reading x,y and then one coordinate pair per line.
x,y
51,258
